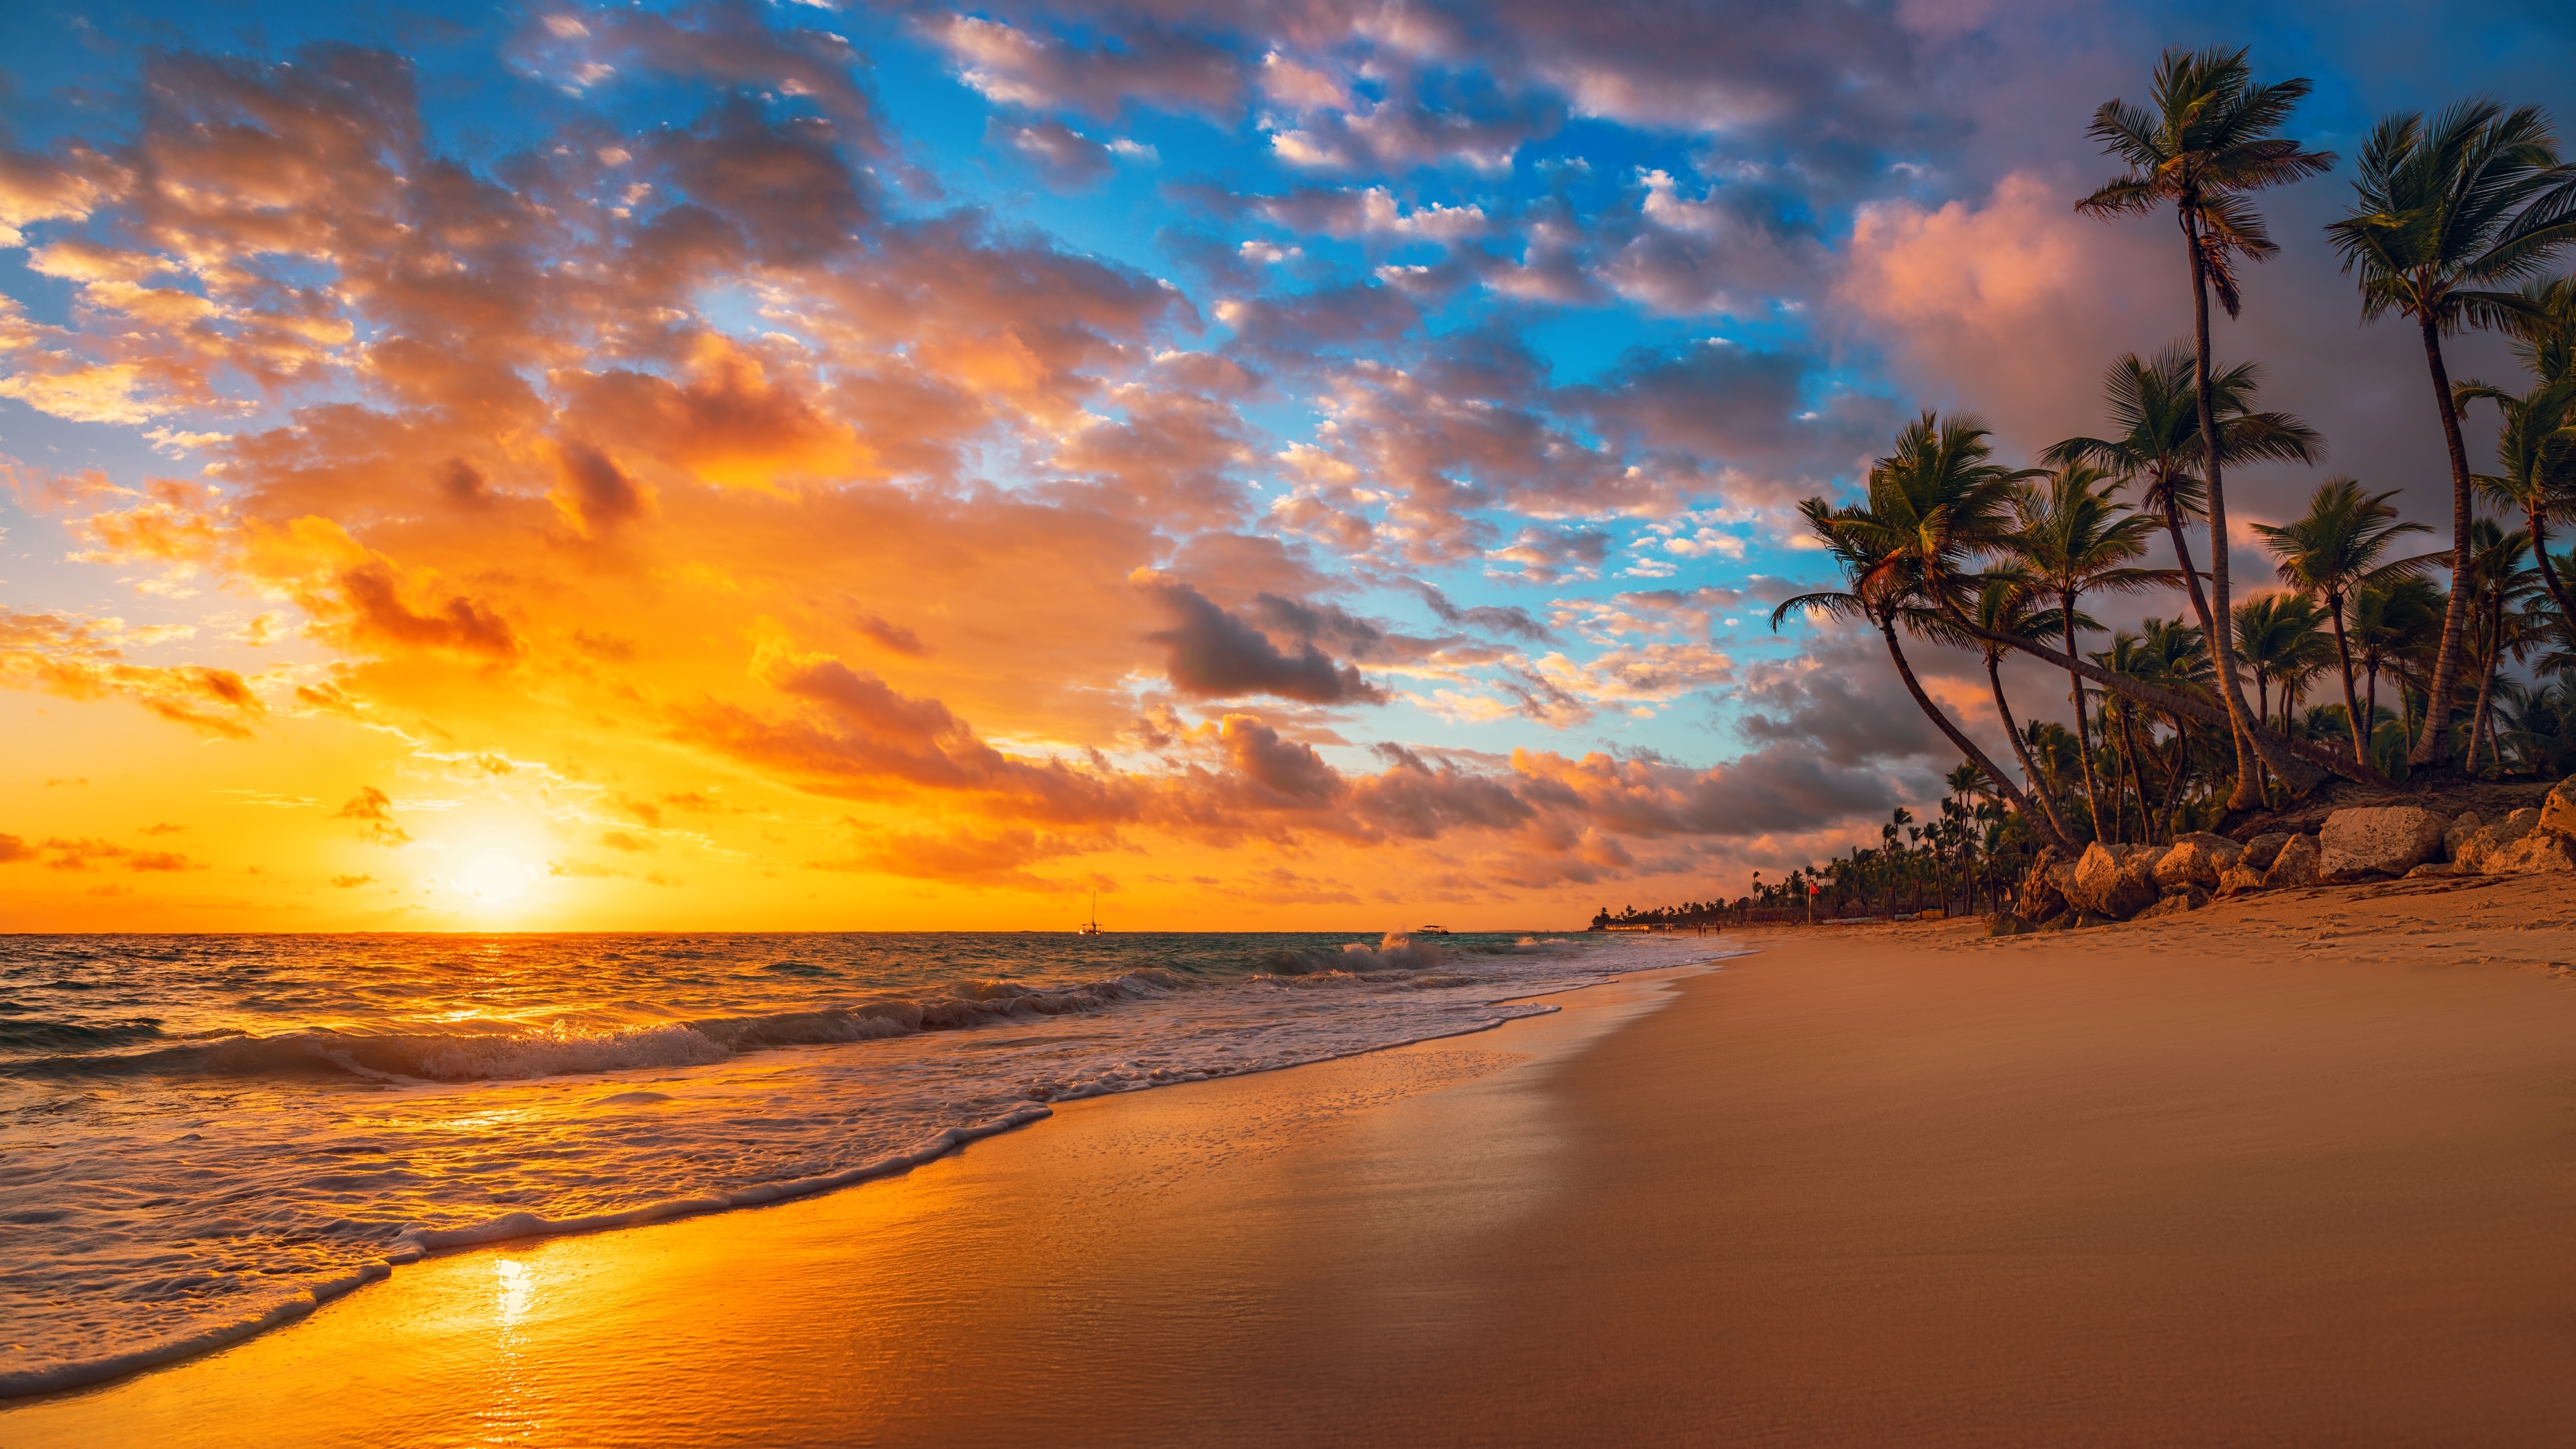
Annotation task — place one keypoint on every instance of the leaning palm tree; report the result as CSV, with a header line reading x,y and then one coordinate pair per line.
x,y
2447,217
2155,440
2208,143
1935,502
2074,540
2336,548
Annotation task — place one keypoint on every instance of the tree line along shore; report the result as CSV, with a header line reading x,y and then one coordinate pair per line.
x,y
2252,729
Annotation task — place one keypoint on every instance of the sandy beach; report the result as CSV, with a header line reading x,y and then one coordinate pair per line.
x,y
2297,1168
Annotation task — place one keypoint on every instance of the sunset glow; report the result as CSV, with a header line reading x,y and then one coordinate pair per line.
x,y
907,470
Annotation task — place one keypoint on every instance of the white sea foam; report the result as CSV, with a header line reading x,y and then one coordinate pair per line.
x,y
198,1181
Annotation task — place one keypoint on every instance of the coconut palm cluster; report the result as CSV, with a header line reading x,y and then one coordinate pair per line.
x,y
2374,653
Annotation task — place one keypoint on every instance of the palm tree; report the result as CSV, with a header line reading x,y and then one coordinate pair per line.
x,y
2394,619
2537,453
2336,548
2283,638
2073,540
2503,583
2446,216
2209,142
2177,655
1934,502
2008,607
2155,416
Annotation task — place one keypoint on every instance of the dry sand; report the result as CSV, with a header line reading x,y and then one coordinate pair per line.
x,y
2299,1169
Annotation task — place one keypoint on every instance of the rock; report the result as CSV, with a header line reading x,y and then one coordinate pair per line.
x,y
2295,864
2197,859
2472,855
2458,835
2558,812
2008,924
2176,901
2106,886
2086,919
2262,850
2431,870
2541,850
2238,881
2380,840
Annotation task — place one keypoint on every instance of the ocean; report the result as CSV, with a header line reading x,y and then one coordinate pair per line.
x,y
204,1136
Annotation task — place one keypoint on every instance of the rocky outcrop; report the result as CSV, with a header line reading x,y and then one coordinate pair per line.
x,y
2295,865
2197,859
2238,881
2541,850
2467,825
2261,851
2175,902
2558,812
2116,881
2479,847
2382,840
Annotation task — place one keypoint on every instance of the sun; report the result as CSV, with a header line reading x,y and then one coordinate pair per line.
x,y
493,881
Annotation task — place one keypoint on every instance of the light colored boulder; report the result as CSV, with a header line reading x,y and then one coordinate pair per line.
x,y
2558,812
2105,885
2379,840
2474,852
2295,865
2238,881
2197,859
2460,833
2541,850
2262,850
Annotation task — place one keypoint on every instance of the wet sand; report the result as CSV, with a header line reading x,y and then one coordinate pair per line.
x,y
2291,1170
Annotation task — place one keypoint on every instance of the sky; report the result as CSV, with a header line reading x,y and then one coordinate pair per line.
x,y
1320,464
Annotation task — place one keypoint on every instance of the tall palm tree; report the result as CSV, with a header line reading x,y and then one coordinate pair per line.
x,y
2074,540
1935,502
2338,547
2154,405
2446,217
2210,141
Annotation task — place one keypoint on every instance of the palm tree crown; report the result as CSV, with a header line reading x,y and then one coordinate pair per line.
x,y
2337,548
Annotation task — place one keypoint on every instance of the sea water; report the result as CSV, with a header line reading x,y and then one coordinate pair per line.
x,y
202,1136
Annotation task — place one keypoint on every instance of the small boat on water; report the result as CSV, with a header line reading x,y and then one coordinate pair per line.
x,y
1091,927
1431,930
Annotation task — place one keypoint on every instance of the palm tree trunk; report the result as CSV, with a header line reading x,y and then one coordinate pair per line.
x,y
2351,706
2370,702
1966,746
2245,796
2436,741
2489,658
2012,732
2138,776
2083,739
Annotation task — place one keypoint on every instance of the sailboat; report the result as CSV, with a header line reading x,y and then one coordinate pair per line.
x,y
1091,927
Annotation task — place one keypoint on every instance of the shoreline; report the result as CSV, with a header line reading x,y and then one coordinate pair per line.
x,y
522,1228
2293,1168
